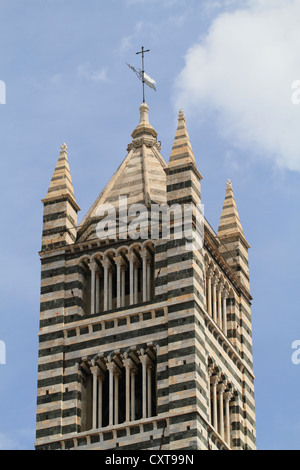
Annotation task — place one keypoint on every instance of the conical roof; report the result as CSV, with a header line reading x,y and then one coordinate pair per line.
x,y
141,176
182,151
61,182
230,224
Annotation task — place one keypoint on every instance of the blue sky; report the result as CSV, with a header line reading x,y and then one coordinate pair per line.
x,y
230,65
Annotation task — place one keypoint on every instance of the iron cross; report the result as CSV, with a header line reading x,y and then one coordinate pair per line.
x,y
143,69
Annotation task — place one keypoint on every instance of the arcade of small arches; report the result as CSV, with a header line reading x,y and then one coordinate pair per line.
x,y
218,291
117,278
221,395
118,388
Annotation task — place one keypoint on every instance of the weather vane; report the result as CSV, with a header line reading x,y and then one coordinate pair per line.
x,y
141,74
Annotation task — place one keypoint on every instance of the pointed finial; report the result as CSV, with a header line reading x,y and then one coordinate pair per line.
x,y
229,184
181,116
144,110
64,147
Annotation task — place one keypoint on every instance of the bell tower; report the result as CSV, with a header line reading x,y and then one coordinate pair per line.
x,y
144,342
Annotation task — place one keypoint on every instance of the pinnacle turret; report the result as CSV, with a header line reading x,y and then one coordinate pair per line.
x,y
230,223
61,182
182,151
234,246
60,207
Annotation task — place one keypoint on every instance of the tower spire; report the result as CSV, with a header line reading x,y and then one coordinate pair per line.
x,y
60,206
61,182
230,223
234,246
182,151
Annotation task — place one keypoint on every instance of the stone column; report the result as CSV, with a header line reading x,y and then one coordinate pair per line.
x,y
221,408
209,294
225,293
132,373
144,258
131,274
93,267
110,275
227,397
127,364
136,282
94,370
105,264
214,381
144,362
123,270
118,262
111,368
97,308
149,383
149,283
220,287
100,383
214,281
116,376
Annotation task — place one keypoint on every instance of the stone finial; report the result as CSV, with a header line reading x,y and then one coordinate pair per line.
x,y
144,110
64,147
181,116
229,184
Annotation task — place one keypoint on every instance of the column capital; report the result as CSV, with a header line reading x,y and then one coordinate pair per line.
x,y
225,291
94,370
93,266
209,272
119,260
215,379
111,366
228,396
221,388
132,258
133,370
145,359
128,363
106,263
145,254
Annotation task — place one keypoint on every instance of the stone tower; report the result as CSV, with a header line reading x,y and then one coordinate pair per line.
x,y
144,342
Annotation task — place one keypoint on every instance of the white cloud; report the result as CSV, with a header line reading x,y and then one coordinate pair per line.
x,y
86,71
242,71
